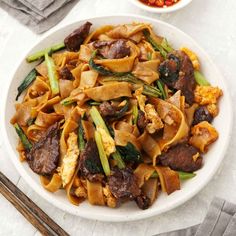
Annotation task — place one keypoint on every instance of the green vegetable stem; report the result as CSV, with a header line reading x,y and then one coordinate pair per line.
x,y
52,74
200,79
26,82
36,56
102,154
25,141
99,122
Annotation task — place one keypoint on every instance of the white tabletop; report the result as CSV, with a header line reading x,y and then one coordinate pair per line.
x,y
212,24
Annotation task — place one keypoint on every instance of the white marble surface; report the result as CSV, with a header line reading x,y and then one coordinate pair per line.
x,y
212,24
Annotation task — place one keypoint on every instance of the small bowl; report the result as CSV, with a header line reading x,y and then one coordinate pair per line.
x,y
175,7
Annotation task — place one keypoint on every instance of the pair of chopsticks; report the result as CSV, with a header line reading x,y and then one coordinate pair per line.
x,y
36,216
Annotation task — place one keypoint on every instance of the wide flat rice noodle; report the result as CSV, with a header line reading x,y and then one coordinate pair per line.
x,y
23,112
150,146
46,119
65,86
150,189
109,91
95,193
143,172
169,179
147,71
88,79
52,184
174,118
123,64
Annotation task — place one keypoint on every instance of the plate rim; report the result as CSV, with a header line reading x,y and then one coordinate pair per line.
x,y
145,214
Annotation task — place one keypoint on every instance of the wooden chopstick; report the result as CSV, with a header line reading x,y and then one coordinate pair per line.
x,y
36,216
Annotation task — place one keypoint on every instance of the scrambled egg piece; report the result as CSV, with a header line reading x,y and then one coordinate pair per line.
x,y
69,161
109,198
203,134
213,109
205,95
140,98
152,116
81,192
193,57
108,141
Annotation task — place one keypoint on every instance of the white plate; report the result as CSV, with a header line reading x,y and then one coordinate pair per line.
x,y
175,7
128,211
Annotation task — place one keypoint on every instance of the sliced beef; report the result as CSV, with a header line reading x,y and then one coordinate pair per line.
x,y
44,155
114,49
178,73
143,202
106,109
180,157
65,74
202,114
89,163
123,184
77,37
142,121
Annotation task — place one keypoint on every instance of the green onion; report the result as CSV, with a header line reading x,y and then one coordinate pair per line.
x,y
52,74
102,154
97,119
25,141
200,79
81,137
93,103
26,82
67,102
154,44
161,88
166,45
182,175
185,175
149,56
135,114
36,56
147,89
117,157
99,122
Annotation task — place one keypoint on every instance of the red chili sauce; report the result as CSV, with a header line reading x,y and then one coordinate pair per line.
x,y
159,3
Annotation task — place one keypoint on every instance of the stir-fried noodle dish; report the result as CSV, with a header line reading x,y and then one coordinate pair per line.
x,y
114,115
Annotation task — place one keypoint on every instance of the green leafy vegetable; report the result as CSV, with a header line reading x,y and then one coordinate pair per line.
x,y
93,166
160,85
154,44
36,56
52,74
25,141
129,153
102,154
81,137
200,79
135,114
182,175
26,82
